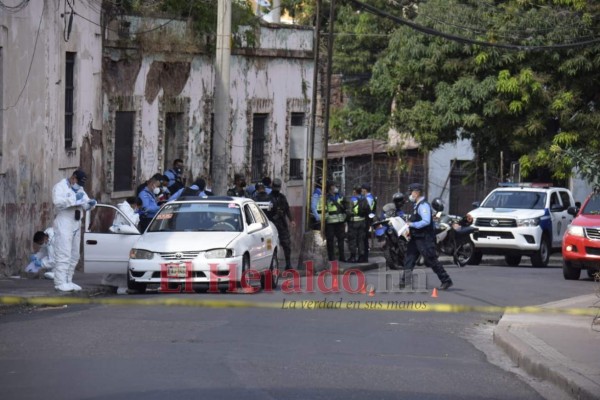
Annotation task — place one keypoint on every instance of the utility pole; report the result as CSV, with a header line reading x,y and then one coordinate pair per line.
x,y
327,106
309,183
222,108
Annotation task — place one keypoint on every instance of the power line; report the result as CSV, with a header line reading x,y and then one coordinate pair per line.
x,y
461,39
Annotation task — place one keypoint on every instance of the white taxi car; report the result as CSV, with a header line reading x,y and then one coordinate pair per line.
x,y
191,241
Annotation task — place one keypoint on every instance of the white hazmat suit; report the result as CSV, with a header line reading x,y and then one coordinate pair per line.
x,y
69,209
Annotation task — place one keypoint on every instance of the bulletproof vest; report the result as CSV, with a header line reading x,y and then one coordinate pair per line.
x,y
414,217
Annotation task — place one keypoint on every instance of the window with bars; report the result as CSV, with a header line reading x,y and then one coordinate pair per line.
x,y
259,127
124,129
297,145
69,95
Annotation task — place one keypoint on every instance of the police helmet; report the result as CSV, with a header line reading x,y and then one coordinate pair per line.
x,y
398,198
437,204
276,183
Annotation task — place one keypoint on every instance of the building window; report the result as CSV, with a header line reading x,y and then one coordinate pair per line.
x,y
297,145
174,138
124,125
259,127
69,91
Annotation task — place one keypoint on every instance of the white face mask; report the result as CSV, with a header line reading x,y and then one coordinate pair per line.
x,y
412,198
336,190
75,187
156,191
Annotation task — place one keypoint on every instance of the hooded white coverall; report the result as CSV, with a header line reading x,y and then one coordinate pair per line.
x,y
67,231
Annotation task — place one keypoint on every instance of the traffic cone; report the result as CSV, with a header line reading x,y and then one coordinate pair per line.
x,y
363,289
371,291
434,293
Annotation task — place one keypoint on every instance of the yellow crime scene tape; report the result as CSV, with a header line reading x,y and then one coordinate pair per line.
x,y
382,305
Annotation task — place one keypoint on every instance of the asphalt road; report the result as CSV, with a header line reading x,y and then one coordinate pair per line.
x,y
114,352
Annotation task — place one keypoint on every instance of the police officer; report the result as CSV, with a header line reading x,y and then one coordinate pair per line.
x,y
422,239
239,188
149,204
260,195
315,206
372,201
356,227
280,209
335,225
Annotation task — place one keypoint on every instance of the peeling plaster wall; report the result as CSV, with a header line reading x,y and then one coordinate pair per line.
x,y
33,155
124,78
269,84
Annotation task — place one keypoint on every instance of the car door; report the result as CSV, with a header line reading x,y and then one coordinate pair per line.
x,y
108,237
566,218
253,243
266,235
557,215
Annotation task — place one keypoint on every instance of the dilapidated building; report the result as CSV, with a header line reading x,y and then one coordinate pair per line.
x,y
123,97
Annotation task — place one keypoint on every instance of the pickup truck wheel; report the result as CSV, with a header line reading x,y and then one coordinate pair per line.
x,y
512,260
569,272
542,256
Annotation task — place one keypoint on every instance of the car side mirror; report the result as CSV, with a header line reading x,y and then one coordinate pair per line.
x,y
573,210
475,204
257,226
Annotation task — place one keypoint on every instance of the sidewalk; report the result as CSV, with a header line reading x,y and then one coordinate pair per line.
x,y
26,287
562,349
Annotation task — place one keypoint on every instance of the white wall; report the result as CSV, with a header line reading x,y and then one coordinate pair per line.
x,y
440,161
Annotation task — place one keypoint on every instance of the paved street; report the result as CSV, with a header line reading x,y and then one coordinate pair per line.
x,y
113,352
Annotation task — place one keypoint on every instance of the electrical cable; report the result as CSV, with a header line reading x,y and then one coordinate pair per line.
x,y
37,35
464,40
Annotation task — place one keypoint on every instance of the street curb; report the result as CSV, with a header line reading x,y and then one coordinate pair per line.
x,y
536,358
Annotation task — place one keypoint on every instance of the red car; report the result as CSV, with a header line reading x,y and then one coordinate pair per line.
x,y
581,242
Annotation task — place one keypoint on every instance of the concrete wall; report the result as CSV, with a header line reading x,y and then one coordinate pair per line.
x,y
440,161
34,156
148,75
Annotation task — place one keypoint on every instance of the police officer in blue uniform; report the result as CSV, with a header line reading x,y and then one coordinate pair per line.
x,y
422,239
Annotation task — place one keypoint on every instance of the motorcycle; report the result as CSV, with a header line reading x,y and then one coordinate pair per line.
x,y
453,238
393,229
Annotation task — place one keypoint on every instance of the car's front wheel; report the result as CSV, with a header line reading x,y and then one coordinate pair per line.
x,y
542,256
569,272
135,287
512,260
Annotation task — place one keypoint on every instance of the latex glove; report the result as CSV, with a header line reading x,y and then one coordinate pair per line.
x,y
37,263
78,195
92,203
32,258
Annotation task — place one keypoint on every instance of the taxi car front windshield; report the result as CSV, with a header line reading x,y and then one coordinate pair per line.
x,y
198,217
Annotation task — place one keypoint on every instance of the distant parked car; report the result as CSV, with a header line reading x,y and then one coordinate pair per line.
x,y
581,243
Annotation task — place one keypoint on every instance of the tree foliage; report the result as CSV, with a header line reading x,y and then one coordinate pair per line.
x,y
532,105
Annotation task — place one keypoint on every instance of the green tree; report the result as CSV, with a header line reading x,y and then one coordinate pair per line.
x,y
532,105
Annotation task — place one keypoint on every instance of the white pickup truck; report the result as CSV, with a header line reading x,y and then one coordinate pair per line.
x,y
521,220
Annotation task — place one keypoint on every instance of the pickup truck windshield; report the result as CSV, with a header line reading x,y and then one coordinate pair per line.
x,y
592,206
516,199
